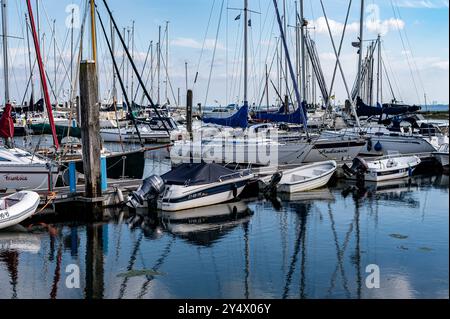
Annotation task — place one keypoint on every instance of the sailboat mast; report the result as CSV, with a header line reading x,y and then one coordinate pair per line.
x,y
42,74
245,52
113,47
159,65
132,55
29,59
303,50
93,31
54,60
361,34
5,49
167,61
71,57
379,89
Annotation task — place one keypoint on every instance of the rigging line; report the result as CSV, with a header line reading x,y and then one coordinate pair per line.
x,y
236,62
389,80
135,69
124,92
269,71
339,51
214,51
269,46
235,67
170,83
143,69
393,76
406,52
411,52
59,52
204,43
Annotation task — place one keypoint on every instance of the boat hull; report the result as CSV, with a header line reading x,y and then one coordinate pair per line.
x,y
203,195
27,177
25,207
311,184
123,165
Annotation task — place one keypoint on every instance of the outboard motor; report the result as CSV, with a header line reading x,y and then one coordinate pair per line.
x,y
274,181
359,166
150,189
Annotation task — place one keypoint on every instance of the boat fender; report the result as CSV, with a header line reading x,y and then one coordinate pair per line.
x,y
378,147
119,194
369,144
235,190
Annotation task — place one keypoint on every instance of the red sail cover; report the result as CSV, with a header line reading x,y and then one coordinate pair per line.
x,y
6,123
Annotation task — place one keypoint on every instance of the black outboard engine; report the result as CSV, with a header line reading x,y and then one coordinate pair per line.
x,y
274,181
359,166
150,189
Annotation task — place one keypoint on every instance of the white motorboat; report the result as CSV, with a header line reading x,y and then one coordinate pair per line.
x,y
305,178
383,168
21,170
442,156
196,185
17,207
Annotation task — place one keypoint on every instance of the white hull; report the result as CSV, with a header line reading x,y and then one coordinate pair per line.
x,y
20,170
17,207
307,177
259,152
390,168
325,151
32,177
391,142
129,136
177,198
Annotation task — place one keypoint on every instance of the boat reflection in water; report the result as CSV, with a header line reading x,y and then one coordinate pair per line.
x,y
19,240
206,225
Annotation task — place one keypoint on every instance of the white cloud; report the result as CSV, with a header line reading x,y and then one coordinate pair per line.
x,y
383,27
194,44
443,65
375,26
336,27
423,4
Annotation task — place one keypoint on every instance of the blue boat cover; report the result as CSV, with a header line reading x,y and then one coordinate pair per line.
x,y
239,119
280,117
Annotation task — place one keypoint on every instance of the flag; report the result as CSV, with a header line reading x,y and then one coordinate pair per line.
x,y
237,18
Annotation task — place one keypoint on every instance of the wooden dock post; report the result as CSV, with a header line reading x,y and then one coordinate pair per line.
x,y
90,128
189,99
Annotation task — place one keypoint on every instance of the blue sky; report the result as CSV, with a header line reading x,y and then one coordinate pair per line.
x,y
423,25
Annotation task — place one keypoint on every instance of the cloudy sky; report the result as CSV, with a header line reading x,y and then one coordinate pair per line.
x,y
414,34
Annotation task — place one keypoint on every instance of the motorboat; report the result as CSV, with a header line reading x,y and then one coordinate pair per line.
x,y
196,185
22,170
304,178
17,207
383,168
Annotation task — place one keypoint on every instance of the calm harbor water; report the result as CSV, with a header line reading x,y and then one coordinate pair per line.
x,y
312,245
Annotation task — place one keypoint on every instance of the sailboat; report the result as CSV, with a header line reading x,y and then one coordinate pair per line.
x,y
20,169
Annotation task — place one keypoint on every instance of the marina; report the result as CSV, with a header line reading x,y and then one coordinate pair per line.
x,y
121,174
